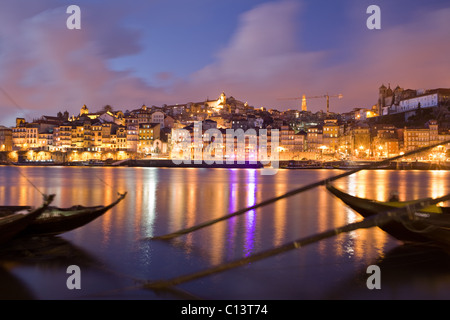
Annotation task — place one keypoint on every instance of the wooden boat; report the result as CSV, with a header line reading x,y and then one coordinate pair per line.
x,y
54,220
428,224
15,219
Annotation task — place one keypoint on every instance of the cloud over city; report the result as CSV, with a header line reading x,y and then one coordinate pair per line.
x,y
265,59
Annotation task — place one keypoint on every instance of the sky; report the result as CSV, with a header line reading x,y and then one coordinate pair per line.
x,y
155,52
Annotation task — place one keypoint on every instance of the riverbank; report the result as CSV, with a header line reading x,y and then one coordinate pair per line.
x,y
157,163
171,164
306,164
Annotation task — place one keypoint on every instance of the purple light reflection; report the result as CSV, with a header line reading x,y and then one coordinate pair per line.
x,y
251,215
232,207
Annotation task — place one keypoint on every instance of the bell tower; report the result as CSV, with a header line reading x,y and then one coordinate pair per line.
x,y
223,98
84,110
381,98
304,103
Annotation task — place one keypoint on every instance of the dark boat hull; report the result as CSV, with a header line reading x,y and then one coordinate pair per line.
x,y
12,225
54,221
417,232
57,225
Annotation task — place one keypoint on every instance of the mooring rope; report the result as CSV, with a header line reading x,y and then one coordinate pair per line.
x,y
23,111
30,182
13,101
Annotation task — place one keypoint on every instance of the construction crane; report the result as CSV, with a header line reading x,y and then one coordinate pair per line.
x,y
327,96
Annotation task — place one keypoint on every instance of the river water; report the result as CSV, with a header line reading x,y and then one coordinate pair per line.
x,y
115,255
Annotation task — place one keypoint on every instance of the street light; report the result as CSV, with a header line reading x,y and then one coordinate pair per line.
x,y
322,148
380,152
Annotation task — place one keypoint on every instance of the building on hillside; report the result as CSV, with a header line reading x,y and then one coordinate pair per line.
x,y
143,114
148,134
158,117
132,137
331,135
6,141
406,101
356,141
45,140
217,105
121,138
314,138
386,142
169,122
415,137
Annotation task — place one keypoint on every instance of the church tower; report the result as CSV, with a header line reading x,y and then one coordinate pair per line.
x,y
223,98
304,103
84,110
381,98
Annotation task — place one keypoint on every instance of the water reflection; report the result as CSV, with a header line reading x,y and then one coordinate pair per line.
x,y
441,184
279,217
162,200
149,195
375,185
13,288
46,255
250,216
423,270
233,206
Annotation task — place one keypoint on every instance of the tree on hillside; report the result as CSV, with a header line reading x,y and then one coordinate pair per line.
x,y
107,108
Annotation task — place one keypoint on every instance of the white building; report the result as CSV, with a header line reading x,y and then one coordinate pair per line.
x,y
425,101
158,117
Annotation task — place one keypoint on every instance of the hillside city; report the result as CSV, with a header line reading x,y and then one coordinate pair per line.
x,y
401,120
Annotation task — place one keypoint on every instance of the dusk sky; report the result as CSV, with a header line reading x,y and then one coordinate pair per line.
x,y
130,53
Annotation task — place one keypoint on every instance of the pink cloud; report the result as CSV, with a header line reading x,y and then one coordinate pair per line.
x,y
265,60
48,68
262,60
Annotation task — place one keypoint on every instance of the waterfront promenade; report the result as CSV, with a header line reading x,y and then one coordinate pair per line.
x,y
284,164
